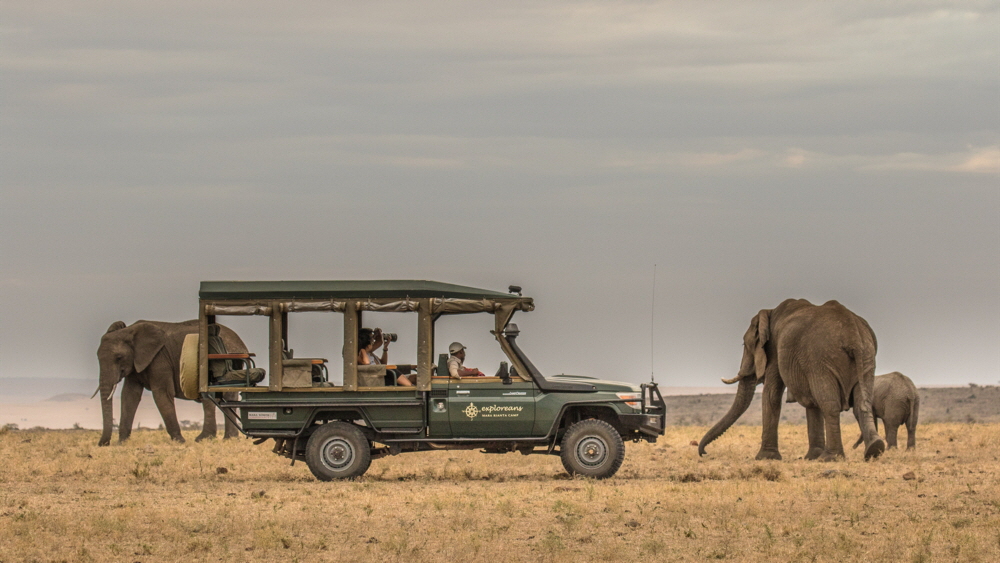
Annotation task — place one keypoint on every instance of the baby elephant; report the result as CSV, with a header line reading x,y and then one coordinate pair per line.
x,y
896,402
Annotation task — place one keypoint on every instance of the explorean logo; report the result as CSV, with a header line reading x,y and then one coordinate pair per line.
x,y
493,411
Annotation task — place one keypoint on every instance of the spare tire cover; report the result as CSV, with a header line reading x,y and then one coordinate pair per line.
x,y
189,367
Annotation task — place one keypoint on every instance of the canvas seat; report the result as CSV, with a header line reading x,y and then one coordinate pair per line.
x,y
223,371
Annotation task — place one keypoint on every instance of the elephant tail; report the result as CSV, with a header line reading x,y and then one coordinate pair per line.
x,y
744,396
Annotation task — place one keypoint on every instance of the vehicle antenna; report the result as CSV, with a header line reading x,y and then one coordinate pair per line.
x,y
652,316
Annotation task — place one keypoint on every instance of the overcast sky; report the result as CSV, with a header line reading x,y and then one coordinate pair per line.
x,y
753,151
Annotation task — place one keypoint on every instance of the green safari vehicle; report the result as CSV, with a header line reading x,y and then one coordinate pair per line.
x,y
338,428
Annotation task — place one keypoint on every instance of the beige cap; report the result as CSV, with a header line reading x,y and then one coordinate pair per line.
x,y
455,347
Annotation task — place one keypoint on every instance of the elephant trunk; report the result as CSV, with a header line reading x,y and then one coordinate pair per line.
x,y
744,396
107,391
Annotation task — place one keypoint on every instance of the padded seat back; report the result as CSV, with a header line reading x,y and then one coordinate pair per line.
x,y
442,367
371,375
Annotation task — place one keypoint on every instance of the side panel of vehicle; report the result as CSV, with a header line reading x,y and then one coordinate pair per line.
x,y
491,409
384,418
291,411
274,418
547,408
438,420
550,407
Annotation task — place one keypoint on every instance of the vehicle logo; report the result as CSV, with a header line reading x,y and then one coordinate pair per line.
x,y
471,411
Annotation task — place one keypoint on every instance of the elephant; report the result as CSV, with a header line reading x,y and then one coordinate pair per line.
x,y
896,402
825,355
146,355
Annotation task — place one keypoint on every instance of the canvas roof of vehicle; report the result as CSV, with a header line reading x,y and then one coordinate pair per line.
x,y
345,289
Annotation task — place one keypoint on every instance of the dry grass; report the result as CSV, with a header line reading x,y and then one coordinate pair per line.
x,y
64,499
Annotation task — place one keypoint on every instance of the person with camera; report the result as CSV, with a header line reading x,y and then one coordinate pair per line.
x,y
368,341
456,369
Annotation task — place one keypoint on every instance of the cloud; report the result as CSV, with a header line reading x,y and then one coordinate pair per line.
x,y
975,160
986,161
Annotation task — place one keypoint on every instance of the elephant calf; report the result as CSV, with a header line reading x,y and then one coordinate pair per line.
x,y
896,402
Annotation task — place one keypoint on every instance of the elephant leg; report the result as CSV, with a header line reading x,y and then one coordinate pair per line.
x,y
891,430
131,395
208,429
231,430
165,404
816,431
874,444
771,407
911,424
830,413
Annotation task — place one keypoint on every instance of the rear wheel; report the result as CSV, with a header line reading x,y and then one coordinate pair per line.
x,y
592,448
338,450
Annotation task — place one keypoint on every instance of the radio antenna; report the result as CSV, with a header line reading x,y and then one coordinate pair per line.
x,y
652,317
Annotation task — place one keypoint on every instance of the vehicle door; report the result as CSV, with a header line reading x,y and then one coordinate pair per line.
x,y
483,407
438,420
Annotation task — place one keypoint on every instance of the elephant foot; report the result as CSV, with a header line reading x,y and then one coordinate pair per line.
x,y
178,439
768,454
814,453
875,449
204,437
831,456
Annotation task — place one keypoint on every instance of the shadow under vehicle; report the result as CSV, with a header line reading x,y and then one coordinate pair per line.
x,y
338,429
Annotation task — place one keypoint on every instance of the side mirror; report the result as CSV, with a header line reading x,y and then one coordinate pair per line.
x,y
504,374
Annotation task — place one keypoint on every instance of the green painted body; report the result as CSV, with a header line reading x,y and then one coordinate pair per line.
x,y
453,410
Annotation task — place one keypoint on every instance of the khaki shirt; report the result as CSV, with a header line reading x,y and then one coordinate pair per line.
x,y
454,367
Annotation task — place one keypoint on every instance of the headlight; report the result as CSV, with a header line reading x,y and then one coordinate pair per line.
x,y
634,404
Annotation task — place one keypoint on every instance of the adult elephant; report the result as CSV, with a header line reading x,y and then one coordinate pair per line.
x,y
825,355
146,355
896,402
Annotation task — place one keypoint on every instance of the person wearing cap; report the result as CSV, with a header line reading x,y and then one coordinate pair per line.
x,y
455,367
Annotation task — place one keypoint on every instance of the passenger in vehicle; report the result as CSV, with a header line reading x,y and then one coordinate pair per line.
x,y
368,341
456,369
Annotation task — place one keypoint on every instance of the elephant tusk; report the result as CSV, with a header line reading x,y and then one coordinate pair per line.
x,y
731,381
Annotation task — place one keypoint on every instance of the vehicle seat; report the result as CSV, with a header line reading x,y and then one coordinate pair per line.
x,y
320,373
371,375
221,372
442,367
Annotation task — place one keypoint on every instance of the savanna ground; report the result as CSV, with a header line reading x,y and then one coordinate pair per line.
x,y
62,498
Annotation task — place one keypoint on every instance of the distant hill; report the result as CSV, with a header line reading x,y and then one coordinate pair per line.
x,y
67,397
975,403
42,387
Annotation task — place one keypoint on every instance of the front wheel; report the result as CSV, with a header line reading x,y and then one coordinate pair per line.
x,y
592,448
337,450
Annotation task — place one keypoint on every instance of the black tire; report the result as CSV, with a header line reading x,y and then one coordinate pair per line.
x,y
592,448
337,450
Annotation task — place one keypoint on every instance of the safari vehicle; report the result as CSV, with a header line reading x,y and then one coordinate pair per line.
x,y
337,429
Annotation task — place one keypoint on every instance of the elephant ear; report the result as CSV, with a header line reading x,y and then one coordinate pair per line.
x,y
763,335
117,325
147,341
